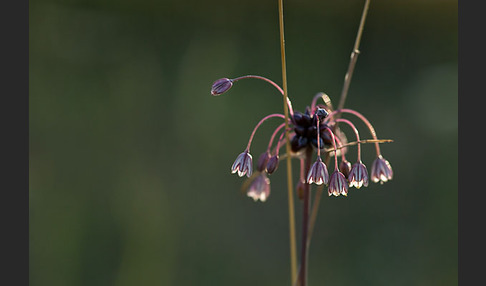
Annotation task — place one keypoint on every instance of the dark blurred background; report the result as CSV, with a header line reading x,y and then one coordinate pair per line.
x,y
130,155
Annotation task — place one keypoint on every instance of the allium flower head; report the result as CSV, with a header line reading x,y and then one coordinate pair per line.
x,y
317,129
306,130
259,188
318,173
381,170
243,164
338,185
358,176
221,86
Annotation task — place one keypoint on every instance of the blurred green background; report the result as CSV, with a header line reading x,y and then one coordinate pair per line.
x,y
130,155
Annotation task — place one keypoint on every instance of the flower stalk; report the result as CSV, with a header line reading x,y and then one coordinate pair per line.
x,y
305,221
354,56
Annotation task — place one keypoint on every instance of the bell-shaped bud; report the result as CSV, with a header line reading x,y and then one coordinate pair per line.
x,y
259,188
272,164
221,86
358,176
243,165
338,185
318,173
262,161
381,170
345,167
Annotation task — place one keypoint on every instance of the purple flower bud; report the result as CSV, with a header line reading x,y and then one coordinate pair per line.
x,y
338,184
259,188
318,173
345,168
262,161
272,164
221,86
358,176
381,170
300,189
243,164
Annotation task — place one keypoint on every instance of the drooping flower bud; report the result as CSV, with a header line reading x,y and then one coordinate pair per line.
x,y
338,185
345,167
221,86
318,173
272,164
262,161
381,170
259,188
358,176
243,165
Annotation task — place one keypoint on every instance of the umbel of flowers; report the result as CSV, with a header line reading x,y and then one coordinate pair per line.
x,y
314,129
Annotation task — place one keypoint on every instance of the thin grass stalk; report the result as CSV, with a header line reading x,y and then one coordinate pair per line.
x,y
293,249
354,57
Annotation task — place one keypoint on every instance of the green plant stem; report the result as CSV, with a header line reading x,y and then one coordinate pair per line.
x,y
293,250
354,57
